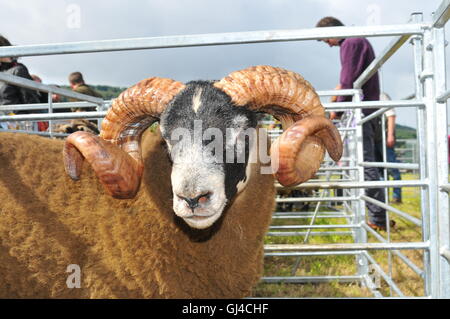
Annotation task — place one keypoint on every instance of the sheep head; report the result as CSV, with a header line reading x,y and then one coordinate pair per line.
x,y
208,127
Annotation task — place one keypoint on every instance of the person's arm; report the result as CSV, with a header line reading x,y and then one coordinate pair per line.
x,y
335,97
390,139
28,96
335,115
351,67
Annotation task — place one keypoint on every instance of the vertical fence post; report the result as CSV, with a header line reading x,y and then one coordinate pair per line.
x,y
430,216
418,47
360,213
50,110
441,157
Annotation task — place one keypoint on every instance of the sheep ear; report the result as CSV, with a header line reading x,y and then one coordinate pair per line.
x,y
119,173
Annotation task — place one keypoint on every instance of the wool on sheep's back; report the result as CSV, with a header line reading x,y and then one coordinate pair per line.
x,y
134,248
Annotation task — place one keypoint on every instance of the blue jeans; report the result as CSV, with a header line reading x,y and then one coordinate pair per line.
x,y
394,172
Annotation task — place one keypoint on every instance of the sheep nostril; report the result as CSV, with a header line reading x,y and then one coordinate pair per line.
x,y
202,199
194,202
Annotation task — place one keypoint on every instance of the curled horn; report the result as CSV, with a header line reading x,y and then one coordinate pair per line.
x,y
115,155
292,100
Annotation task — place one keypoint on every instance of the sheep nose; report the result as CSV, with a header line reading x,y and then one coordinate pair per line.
x,y
195,201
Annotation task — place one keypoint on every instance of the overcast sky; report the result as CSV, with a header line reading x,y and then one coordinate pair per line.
x,y
50,21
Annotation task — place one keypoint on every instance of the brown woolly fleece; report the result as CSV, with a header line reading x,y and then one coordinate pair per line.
x,y
125,248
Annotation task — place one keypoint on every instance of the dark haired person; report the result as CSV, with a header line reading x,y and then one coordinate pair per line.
x,y
78,85
11,94
356,54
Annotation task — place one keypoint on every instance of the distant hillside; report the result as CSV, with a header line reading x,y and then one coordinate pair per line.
x,y
405,132
108,92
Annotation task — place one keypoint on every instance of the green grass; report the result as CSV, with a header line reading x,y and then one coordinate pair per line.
x,y
407,280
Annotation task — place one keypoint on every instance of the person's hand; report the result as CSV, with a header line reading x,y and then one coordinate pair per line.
x,y
334,97
333,115
390,141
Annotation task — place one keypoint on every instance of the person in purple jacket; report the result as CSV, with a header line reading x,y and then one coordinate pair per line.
x,y
356,54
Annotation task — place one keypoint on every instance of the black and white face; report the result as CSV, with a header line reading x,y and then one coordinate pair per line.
x,y
209,145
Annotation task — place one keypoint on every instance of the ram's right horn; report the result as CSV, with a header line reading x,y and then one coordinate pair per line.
x,y
115,156
291,99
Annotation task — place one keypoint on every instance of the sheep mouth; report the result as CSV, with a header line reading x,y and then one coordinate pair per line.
x,y
201,221
199,217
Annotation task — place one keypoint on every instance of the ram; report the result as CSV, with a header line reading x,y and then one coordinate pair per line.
x,y
189,225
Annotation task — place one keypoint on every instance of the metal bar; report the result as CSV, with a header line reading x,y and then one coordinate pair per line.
x,y
178,41
398,212
310,216
372,104
405,259
442,14
44,106
374,115
384,275
441,153
369,184
292,234
35,133
306,238
334,213
417,42
309,254
360,235
373,67
445,252
348,247
50,110
443,97
326,169
430,220
425,75
310,279
390,165
312,227
279,132
346,129
53,116
314,199
367,280
337,92
29,84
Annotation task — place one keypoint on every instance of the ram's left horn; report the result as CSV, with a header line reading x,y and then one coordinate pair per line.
x,y
292,100
300,145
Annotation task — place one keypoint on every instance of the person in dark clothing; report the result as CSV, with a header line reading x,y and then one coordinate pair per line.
x,y
12,94
391,156
43,96
355,55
